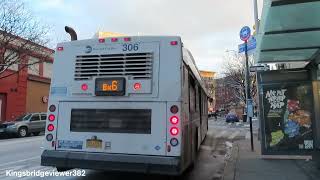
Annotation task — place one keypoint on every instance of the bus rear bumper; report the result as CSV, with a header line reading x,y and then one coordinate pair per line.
x,y
112,162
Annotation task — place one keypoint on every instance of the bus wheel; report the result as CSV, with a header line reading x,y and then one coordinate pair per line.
x,y
62,169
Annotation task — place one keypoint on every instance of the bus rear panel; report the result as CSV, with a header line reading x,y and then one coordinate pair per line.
x,y
115,104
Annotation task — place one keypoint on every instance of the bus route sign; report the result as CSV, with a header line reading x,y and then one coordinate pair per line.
x,y
245,33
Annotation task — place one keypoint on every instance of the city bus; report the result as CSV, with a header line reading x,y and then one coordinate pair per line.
x,y
134,104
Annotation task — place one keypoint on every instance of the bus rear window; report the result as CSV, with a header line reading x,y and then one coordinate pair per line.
x,y
136,121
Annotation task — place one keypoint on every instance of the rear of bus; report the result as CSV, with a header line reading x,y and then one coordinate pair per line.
x,y
115,104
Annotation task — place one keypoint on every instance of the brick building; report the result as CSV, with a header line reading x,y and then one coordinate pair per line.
x,y
225,97
208,78
26,90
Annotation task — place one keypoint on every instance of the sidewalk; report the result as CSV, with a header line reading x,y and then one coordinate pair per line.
x,y
246,165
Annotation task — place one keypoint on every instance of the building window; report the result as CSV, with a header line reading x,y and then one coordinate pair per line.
x,y
33,68
47,69
12,57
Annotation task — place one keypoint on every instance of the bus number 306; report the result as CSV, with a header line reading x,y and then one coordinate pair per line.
x,y
130,47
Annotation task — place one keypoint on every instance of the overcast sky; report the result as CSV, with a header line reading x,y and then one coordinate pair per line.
x,y
208,27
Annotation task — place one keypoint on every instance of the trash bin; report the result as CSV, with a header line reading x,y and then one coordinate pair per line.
x,y
244,117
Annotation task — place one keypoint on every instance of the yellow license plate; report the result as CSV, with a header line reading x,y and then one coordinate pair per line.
x,y
94,144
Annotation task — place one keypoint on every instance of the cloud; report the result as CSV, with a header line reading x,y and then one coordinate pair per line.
x,y
207,27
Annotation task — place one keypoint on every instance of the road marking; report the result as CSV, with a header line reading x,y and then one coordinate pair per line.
x,y
248,135
233,135
22,160
11,168
3,143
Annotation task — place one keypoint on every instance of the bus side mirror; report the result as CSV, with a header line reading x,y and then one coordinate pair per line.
x,y
210,100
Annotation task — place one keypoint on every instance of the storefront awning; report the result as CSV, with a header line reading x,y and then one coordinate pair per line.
x,y
289,31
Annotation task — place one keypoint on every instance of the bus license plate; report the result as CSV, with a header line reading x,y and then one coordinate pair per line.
x,y
110,86
94,143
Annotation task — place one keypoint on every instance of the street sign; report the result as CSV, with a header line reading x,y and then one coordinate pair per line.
x,y
245,33
250,108
257,68
251,45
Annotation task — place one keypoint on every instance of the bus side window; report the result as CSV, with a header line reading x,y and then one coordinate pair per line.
x,y
192,95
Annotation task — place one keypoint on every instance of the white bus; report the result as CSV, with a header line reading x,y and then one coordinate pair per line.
x,y
134,104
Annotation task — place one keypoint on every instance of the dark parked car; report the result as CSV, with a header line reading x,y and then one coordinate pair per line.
x,y
232,117
2,127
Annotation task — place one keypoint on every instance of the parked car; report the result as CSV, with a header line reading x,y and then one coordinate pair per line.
x,y
26,124
2,127
232,117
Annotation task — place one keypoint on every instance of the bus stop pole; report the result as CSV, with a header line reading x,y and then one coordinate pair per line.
x,y
248,92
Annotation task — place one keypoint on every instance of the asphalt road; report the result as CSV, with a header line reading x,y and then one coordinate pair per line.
x,y
21,154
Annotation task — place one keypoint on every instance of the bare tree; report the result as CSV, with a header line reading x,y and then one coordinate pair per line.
x,y
234,72
21,35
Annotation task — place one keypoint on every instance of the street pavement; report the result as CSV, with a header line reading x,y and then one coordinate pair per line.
x,y
21,154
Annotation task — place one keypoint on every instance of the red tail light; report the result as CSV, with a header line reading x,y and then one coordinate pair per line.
x,y
102,40
84,87
60,48
174,43
174,119
51,117
114,39
50,127
126,39
174,131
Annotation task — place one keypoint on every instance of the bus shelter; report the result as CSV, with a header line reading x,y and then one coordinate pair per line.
x,y
289,93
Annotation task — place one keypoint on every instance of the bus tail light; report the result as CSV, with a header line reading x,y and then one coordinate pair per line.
x,y
49,137
52,108
102,40
114,39
51,117
174,120
50,127
126,39
174,131
174,142
174,43
60,48
84,87
174,109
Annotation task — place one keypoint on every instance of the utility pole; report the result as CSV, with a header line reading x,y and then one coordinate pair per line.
x,y
256,15
245,34
248,93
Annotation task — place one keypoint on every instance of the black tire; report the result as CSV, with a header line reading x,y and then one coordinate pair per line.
x,y
36,133
23,132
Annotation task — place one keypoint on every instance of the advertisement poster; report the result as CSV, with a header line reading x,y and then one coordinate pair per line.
x,y
288,117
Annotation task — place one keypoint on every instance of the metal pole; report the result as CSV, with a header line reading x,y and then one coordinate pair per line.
x,y
248,93
256,15
256,20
